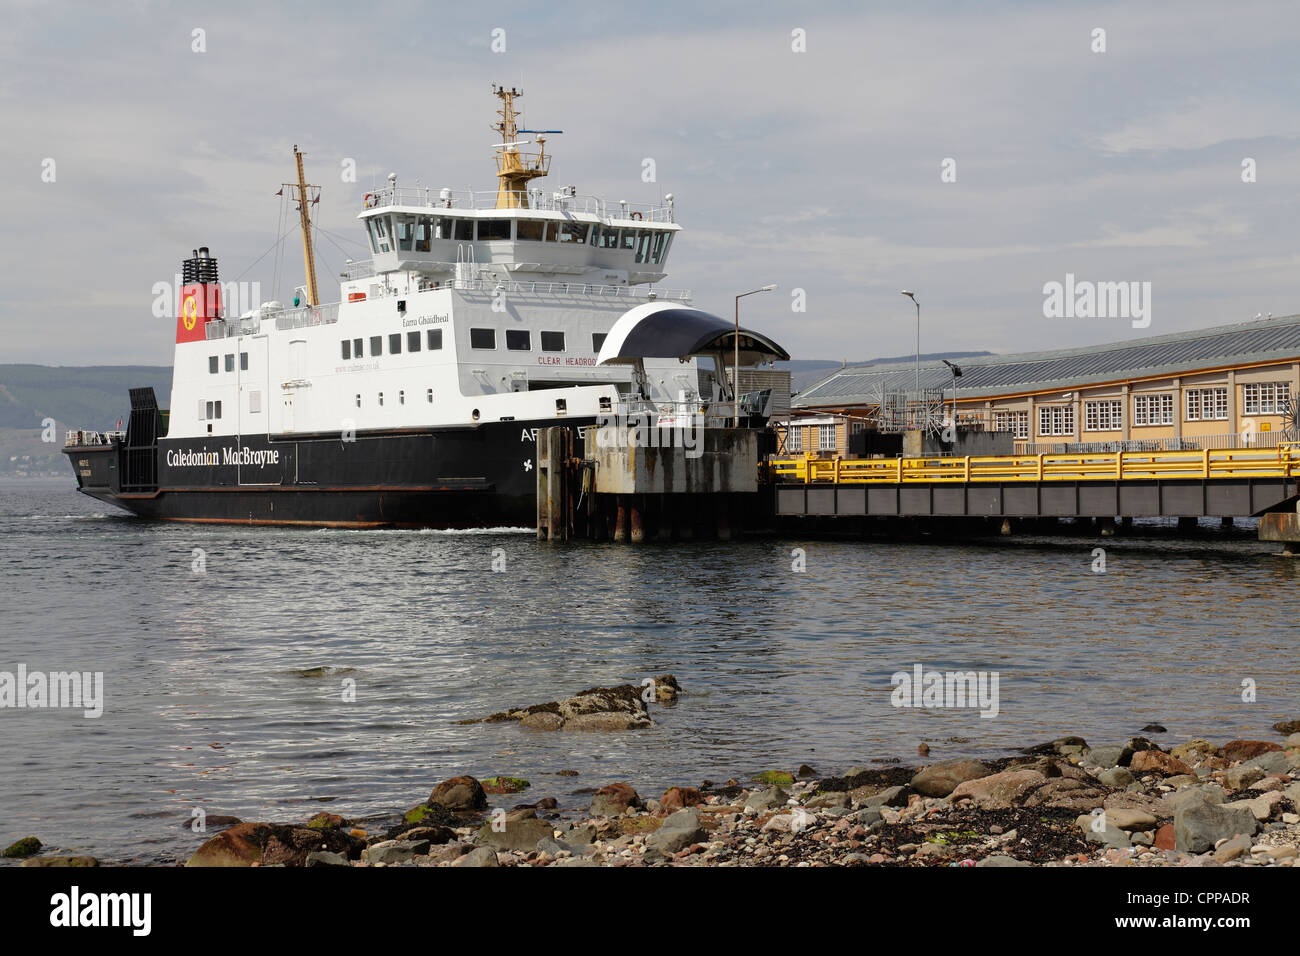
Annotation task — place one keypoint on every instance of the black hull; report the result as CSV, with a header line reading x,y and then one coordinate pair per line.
x,y
457,478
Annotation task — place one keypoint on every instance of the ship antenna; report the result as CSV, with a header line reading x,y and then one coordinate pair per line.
x,y
515,170
305,201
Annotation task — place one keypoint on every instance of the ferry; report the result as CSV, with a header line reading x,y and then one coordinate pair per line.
x,y
416,398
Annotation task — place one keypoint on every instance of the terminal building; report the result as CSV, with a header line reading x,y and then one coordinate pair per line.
x,y
1225,387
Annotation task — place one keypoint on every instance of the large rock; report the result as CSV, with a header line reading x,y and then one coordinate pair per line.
x,y
940,779
1241,777
461,794
518,832
390,852
20,849
70,861
1065,793
679,831
1272,762
1287,727
271,844
675,798
768,799
1199,824
614,800
1194,750
1107,756
1154,761
241,845
1260,807
598,708
999,791
1117,777
1245,749
481,856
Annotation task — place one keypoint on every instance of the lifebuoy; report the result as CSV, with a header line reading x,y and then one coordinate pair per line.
x,y
636,215
366,201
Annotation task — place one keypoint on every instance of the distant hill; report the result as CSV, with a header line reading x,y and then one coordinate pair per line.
x,y
805,372
91,397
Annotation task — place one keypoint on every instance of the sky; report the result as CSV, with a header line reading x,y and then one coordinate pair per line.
x,y
806,145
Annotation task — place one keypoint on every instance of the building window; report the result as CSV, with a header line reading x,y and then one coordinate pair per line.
x,y
1104,416
376,346
434,338
395,343
346,349
413,341
1056,419
552,341
1207,404
825,437
518,340
794,439
1266,398
1015,422
243,361
230,362
482,338
212,364
1153,409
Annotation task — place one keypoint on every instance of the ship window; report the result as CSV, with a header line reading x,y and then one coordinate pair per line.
x,y
381,398
482,338
629,239
395,343
347,350
464,229
561,406
401,398
218,405
357,351
605,237
494,229
423,231
230,362
435,338
212,364
370,231
552,341
255,403
381,233
573,232
208,410
405,233
643,240
413,341
518,340
442,228
243,361
358,401
531,230
429,395
597,341
376,346
661,246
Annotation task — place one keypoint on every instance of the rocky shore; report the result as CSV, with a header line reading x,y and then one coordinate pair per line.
x,y
1062,803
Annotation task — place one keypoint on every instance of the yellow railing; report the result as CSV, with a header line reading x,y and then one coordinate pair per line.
x,y
1280,462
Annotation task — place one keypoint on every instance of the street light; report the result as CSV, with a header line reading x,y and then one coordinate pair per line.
x,y
735,368
912,295
956,374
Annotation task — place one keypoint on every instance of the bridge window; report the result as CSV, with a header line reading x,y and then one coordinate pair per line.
x,y
423,231
376,346
380,238
494,229
463,230
346,349
1153,409
643,242
530,230
413,341
1104,416
575,232
405,233
395,343
518,340
552,341
1207,404
604,237
597,341
629,239
661,246
482,338
1266,398
1056,419
434,337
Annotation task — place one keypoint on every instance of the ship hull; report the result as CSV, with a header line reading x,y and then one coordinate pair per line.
x,y
451,478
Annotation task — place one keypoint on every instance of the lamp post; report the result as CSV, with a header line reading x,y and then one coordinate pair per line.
x,y
912,295
735,367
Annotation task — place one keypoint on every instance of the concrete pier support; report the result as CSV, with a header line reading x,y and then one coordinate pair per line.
x,y
1187,524
636,520
1226,522
620,519
1283,526
1006,527
1106,527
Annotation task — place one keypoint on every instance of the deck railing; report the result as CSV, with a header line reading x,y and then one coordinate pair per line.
x,y
1280,462
453,199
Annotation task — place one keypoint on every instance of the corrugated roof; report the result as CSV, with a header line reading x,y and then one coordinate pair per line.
x,y
1242,343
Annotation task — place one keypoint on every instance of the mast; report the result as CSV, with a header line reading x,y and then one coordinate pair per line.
x,y
308,255
515,170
